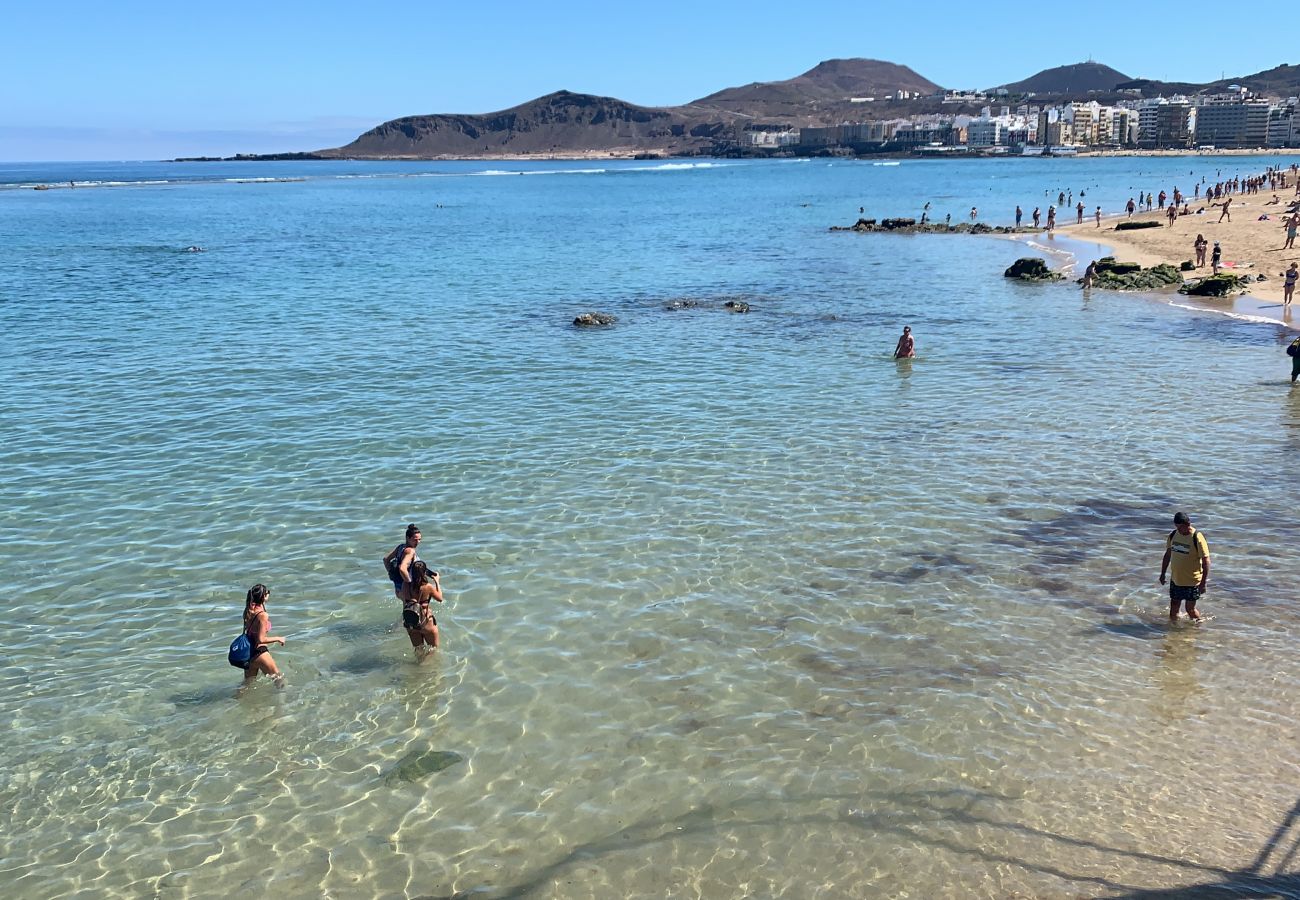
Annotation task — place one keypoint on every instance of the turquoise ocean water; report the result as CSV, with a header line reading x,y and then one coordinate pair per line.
x,y
736,604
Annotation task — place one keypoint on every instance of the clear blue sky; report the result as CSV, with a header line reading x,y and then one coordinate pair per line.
x,y
152,80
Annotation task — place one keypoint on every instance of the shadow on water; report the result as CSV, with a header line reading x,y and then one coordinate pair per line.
x,y
912,815
206,696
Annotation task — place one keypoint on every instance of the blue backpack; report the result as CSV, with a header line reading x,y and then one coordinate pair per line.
x,y
241,651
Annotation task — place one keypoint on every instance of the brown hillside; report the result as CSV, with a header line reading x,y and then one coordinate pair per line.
x,y
561,122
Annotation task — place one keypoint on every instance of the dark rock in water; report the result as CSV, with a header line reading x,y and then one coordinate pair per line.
x,y
981,228
593,320
1128,276
681,304
738,306
1215,286
1137,226
892,224
419,763
1186,266
1031,268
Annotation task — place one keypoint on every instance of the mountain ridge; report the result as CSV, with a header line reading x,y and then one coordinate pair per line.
x,y
832,92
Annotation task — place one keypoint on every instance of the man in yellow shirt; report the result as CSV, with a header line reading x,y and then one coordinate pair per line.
x,y
1186,549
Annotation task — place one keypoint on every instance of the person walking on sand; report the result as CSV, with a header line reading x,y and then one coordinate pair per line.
x,y
1227,202
1172,214
906,346
1148,201
421,627
1020,214
1199,246
1290,226
1288,283
398,560
1189,578
1130,207
1098,216
1038,217
1078,209
1215,256
1051,218
257,628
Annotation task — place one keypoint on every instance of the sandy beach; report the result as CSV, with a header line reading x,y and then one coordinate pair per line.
x,y
1252,240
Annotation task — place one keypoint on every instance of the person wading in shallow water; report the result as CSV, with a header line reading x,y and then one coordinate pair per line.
x,y
906,347
421,626
257,628
1189,555
399,560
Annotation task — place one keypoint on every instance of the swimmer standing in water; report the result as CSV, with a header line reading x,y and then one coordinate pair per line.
x,y
906,347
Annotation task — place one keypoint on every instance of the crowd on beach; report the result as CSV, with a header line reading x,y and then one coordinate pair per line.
x,y
414,584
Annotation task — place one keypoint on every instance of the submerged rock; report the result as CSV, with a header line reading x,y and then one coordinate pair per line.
x,y
419,763
1031,268
681,304
737,306
594,320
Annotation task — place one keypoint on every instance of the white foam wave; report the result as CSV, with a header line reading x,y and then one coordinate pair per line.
x,y
1240,317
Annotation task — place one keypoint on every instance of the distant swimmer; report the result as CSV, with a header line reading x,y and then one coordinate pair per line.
x,y
193,248
906,347
255,657
1187,559
399,560
421,626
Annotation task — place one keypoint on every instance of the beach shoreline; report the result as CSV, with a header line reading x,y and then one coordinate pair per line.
x,y
1251,240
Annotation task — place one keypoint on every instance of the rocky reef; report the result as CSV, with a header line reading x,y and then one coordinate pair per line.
x,y
1127,276
594,320
1032,268
912,226
1220,285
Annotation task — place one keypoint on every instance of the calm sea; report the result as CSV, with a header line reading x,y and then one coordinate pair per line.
x,y
736,604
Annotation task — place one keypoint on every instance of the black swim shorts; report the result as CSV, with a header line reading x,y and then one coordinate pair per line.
x,y
1188,594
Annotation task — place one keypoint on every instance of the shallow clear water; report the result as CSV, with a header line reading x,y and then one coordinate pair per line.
x,y
737,605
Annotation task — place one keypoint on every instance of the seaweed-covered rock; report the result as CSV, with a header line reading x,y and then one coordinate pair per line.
x,y
1137,226
1216,286
1031,268
1132,277
736,306
594,320
893,224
